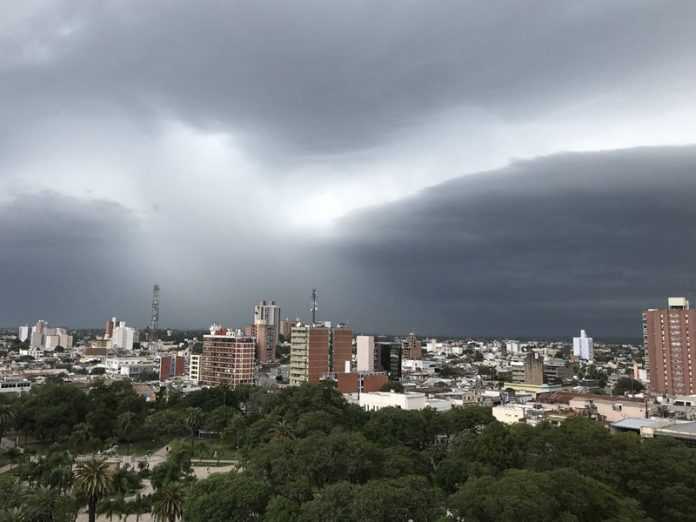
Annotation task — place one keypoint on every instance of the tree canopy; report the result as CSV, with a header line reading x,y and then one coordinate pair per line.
x,y
305,454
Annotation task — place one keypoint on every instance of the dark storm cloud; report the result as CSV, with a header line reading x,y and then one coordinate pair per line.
x,y
313,77
230,133
543,246
68,260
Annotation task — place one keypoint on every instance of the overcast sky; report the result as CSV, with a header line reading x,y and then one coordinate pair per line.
x,y
450,167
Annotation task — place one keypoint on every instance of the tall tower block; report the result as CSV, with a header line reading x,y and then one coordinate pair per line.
x,y
154,322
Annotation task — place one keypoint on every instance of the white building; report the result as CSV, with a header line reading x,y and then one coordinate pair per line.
x,y
512,347
23,334
583,346
43,337
129,366
37,334
195,368
267,314
433,346
529,413
51,342
14,385
418,365
509,413
365,348
405,401
123,336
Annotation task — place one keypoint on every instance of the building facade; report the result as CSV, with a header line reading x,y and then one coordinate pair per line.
x,y
41,337
195,368
388,358
172,366
360,382
365,353
286,328
267,328
583,347
123,336
412,348
23,333
316,351
227,359
668,337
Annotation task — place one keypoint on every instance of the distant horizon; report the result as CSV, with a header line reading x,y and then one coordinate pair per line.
x,y
525,338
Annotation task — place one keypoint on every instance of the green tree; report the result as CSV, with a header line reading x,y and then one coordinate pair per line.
x,y
560,495
194,419
93,481
176,468
393,500
6,419
232,497
627,385
281,509
168,502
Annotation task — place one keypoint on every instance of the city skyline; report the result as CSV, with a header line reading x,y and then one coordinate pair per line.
x,y
443,168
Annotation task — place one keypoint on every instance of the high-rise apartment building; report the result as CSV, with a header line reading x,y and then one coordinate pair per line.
x,y
23,333
534,369
512,347
227,358
412,348
365,353
123,336
43,337
286,328
669,337
316,351
195,367
341,349
583,346
37,334
267,328
109,327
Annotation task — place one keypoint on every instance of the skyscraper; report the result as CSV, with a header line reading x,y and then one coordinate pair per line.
x,y
668,337
266,330
583,346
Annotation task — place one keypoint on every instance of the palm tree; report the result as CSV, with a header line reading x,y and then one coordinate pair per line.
x,y
168,504
194,419
6,418
141,505
109,507
282,430
93,481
